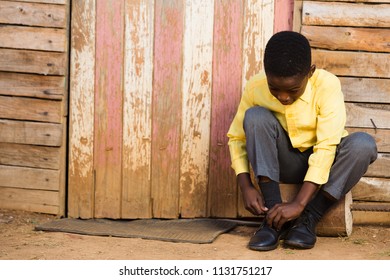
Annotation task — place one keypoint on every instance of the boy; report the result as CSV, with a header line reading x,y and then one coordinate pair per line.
x,y
290,127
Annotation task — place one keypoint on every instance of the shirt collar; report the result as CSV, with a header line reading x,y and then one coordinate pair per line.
x,y
306,96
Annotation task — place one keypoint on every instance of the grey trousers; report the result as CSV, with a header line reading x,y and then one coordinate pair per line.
x,y
271,154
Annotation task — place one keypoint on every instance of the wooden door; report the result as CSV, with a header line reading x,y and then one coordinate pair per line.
x,y
154,87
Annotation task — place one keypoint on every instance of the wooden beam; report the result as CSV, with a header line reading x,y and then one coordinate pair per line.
x,y
29,200
21,108
371,217
35,133
372,189
37,86
348,38
33,38
345,14
33,178
37,62
366,90
360,64
29,156
381,167
34,14
363,115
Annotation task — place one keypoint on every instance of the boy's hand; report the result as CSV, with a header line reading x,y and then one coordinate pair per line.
x,y
283,212
253,200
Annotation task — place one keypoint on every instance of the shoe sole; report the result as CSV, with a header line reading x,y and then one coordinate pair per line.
x,y
298,245
268,248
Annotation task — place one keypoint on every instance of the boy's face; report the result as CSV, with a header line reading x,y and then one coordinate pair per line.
x,y
288,89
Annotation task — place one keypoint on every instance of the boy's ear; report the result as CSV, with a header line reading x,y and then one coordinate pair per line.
x,y
312,70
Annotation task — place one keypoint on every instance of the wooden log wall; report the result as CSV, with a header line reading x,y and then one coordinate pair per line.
x,y
352,40
154,87
33,104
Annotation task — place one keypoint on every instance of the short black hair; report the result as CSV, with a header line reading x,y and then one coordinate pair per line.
x,y
287,54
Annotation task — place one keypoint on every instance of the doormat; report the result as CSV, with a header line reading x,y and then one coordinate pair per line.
x,y
198,231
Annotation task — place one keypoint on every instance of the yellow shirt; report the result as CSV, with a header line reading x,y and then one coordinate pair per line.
x,y
317,119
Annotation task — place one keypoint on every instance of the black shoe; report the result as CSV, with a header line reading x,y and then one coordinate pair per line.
x,y
267,238
302,234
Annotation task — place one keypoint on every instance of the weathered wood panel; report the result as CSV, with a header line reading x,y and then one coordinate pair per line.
x,y
32,178
168,49
258,28
35,133
371,217
356,1
366,90
81,125
380,168
345,14
137,129
361,115
284,15
257,31
21,108
196,107
348,38
39,62
33,106
45,1
34,14
33,38
30,200
226,93
37,86
297,22
360,64
372,189
108,108
30,156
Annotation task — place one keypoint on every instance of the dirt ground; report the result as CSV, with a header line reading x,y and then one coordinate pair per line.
x,y
19,241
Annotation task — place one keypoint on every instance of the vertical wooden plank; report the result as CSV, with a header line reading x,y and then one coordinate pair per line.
x,y
284,15
196,102
257,31
227,77
136,202
169,21
81,129
297,23
258,28
108,108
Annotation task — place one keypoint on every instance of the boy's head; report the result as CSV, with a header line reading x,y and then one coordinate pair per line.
x,y
287,54
287,64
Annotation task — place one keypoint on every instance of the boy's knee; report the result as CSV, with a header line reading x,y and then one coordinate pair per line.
x,y
364,144
256,115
